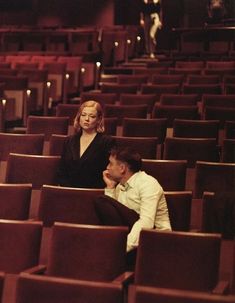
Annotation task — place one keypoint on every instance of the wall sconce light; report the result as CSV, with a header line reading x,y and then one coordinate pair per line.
x,y
97,74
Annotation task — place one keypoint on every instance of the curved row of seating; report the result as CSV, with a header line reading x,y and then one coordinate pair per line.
x,y
164,100
37,82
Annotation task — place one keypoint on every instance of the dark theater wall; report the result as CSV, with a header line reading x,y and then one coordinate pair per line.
x,y
128,12
75,13
57,12
176,13
15,5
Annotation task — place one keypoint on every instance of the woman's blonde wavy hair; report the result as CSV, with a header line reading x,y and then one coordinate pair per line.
x,y
100,115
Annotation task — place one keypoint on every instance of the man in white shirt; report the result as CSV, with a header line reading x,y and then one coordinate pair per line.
x,y
136,191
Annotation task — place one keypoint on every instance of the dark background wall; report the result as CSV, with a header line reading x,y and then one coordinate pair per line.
x,y
176,13
75,12
57,12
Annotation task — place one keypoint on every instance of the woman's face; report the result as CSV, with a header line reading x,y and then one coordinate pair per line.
x,y
89,119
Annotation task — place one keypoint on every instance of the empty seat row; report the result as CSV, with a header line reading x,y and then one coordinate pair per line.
x,y
29,39
142,294
171,60
161,88
206,74
213,106
67,269
158,79
166,98
35,99
167,87
113,45
42,81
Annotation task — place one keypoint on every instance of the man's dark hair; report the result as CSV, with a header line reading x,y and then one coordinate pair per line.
x,y
129,156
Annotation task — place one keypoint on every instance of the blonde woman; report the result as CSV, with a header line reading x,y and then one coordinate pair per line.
x,y
150,19
86,153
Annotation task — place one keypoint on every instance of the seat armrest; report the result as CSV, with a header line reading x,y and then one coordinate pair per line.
x,y
38,269
195,230
222,288
125,278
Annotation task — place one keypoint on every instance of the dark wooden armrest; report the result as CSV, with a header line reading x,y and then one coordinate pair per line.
x,y
38,269
222,288
125,278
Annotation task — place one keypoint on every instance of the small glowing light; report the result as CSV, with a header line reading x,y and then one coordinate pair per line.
x,y
83,70
128,41
116,44
4,102
48,84
28,92
67,76
98,64
138,38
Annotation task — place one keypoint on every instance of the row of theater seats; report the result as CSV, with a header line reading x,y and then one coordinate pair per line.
x,y
125,41
173,83
37,81
136,126
76,205
38,40
154,133
26,168
191,149
170,83
170,61
22,168
162,103
46,135
162,76
111,44
84,262
32,83
166,67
